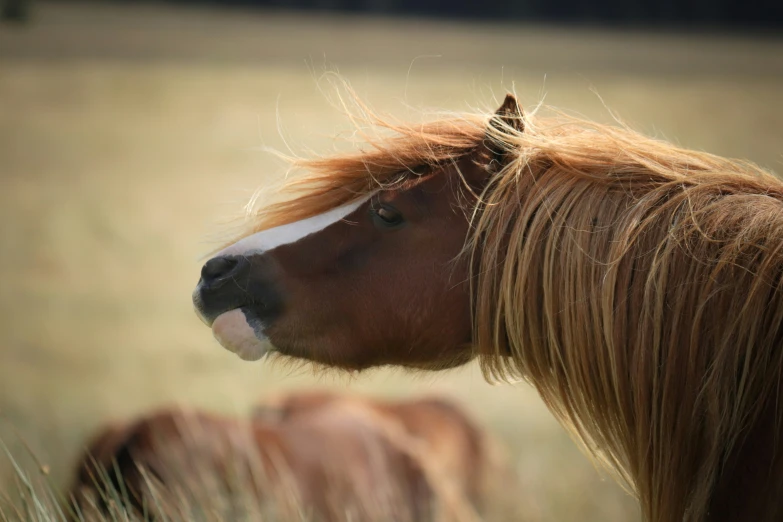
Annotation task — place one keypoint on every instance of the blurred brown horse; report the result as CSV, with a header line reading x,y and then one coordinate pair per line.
x,y
335,463
459,452
637,285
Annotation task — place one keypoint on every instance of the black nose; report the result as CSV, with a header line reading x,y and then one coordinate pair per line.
x,y
221,269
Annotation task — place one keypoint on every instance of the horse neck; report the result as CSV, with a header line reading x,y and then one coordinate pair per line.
x,y
751,484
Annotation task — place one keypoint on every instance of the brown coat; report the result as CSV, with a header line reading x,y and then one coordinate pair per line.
x,y
452,444
332,463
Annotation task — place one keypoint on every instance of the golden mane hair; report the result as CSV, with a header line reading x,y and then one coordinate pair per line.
x,y
635,284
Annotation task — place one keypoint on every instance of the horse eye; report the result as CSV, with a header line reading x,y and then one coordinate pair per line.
x,y
387,217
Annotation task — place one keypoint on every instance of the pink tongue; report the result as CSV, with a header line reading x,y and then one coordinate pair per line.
x,y
235,335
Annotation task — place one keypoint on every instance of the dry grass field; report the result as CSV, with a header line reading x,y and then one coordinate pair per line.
x,y
129,133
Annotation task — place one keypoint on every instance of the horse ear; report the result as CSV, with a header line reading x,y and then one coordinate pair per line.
x,y
509,114
492,154
507,118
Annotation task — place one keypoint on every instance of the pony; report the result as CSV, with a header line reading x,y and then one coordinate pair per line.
x,y
450,441
634,283
335,463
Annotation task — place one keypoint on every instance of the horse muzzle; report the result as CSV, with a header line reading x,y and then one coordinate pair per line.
x,y
235,282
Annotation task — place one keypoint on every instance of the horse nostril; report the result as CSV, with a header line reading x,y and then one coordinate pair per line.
x,y
219,268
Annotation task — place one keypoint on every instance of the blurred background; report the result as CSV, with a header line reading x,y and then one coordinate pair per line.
x,y
130,132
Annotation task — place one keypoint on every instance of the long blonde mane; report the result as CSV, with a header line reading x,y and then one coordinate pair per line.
x,y
635,284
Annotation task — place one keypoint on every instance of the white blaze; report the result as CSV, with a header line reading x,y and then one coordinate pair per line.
x,y
290,233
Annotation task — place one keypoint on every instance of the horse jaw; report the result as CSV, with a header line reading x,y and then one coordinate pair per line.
x,y
234,333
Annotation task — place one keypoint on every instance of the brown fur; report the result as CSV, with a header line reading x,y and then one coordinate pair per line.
x,y
330,463
460,452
